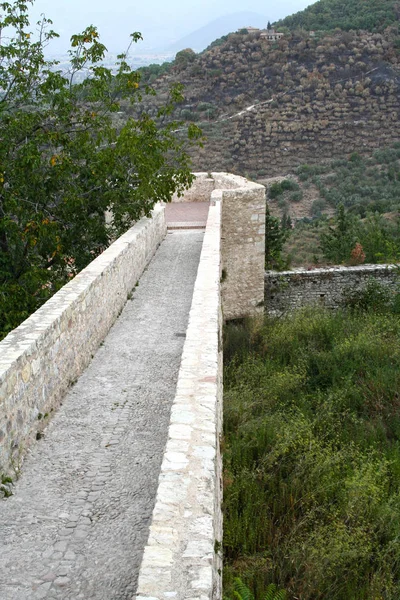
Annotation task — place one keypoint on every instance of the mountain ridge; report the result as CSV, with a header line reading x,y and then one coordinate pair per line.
x,y
199,39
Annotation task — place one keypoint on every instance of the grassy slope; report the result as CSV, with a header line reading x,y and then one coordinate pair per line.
x,y
312,456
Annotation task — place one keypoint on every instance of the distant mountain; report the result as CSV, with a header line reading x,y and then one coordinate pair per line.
x,y
201,38
370,15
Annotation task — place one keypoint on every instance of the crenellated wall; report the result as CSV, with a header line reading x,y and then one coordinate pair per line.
x,y
42,357
289,290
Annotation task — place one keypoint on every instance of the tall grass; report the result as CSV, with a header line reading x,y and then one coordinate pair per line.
x,y
312,456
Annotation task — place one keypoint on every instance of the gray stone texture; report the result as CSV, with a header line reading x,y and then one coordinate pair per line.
x,y
243,245
42,357
77,524
78,521
182,558
289,290
242,238
200,191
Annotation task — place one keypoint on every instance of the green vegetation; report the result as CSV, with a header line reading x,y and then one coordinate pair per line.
x,y
371,15
303,246
312,453
5,486
276,233
242,592
353,240
152,72
365,193
280,187
361,183
63,162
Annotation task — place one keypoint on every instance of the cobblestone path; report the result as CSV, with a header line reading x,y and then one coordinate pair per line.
x,y
78,521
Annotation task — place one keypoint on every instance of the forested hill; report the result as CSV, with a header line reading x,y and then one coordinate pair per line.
x,y
370,15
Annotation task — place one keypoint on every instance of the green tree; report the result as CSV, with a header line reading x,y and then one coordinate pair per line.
x,y
276,234
380,239
338,242
64,163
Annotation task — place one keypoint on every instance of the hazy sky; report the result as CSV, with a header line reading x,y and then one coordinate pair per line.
x,y
160,21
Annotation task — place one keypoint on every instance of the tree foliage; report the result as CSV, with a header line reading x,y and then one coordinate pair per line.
x,y
64,163
338,242
371,15
353,240
276,233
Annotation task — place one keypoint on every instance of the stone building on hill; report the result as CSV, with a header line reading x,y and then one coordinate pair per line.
x,y
270,35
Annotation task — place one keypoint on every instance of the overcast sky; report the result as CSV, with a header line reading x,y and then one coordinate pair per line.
x,y
160,21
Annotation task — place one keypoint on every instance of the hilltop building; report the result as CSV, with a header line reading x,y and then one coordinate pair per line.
x,y
271,35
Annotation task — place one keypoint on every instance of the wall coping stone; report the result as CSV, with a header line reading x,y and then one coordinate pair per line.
x,y
49,350
180,560
334,269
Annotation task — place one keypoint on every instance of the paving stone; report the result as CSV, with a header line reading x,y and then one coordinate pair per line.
x,y
61,581
140,361
49,576
42,591
61,546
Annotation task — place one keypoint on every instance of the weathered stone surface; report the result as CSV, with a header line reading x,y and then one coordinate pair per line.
x,y
125,395
242,245
182,559
289,290
80,502
200,191
45,355
243,238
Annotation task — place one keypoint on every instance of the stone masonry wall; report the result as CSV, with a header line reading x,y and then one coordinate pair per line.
x,y
289,290
42,357
243,238
200,191
243,246
182,558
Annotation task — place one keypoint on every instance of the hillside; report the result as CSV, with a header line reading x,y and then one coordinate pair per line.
x,y
371,15
267,108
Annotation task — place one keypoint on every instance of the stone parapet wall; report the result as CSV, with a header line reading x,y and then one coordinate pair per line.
x,y
243,245
200,191
182,557
243,238
42,357
289,290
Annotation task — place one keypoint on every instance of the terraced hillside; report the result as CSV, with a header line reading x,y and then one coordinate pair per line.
x,y
268,107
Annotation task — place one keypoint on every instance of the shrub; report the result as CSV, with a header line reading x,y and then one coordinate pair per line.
x,y
373,297
279,188
296,196
312,457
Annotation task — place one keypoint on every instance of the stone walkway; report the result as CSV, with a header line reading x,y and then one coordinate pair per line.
x,y
78,521
186,215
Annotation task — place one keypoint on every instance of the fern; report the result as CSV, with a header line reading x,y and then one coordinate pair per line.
x,y
273,593
242,592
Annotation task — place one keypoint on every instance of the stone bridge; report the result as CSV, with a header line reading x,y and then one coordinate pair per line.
x,y
111,408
